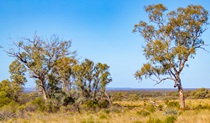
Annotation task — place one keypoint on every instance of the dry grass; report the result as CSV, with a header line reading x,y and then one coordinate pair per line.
x,y
126,114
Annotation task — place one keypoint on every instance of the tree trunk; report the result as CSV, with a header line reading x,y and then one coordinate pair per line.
x,y
181,97
44,94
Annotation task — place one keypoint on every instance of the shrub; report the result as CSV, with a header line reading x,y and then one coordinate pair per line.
x,y
6,112
201,93
160,107
170,119
91,104
107,111
151,108
4,100
39,102
103,103
202,107
172,104
152,120
30,107
103,116
51,107
143,113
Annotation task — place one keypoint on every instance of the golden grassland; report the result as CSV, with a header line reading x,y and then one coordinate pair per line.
x,y
197,111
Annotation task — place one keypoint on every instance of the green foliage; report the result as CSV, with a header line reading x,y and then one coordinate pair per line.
x,y
39,103
39,58
107,111
171,38
9,91
202,107
172,104
17,71
90,83
170,119
154,120
201,93
151,108
91,104
59,76
160,107
8,111
4,99
143,113
103,116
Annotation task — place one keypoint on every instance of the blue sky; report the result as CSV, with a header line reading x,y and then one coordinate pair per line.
x,y
100,30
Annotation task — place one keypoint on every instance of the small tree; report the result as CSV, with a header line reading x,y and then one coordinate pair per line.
x,y
91,80
40,58
171,39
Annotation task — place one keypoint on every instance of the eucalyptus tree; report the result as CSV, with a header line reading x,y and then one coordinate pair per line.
x,y
170,40
39,57
63,71
91,80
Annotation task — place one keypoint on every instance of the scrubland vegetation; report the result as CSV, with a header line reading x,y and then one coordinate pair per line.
x,y
127,107
72,91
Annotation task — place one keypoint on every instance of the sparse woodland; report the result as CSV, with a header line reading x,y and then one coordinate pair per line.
x,y
71,90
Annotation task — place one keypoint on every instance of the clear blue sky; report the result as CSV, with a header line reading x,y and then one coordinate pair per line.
x,y
100,30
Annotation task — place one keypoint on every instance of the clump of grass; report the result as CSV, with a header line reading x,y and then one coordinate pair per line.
x,y
170,119
137,122
107,111
89,120
103,116
172,104
154,120
151,108
143,113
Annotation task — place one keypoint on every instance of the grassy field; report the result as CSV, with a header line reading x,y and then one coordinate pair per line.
x,y
141,111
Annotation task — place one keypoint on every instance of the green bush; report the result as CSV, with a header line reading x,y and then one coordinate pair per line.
x,y
160,107
143,113
7,112
103,116
4,100
151,108
201,93
170,119
153,120
51,106
91,104
202,107
172,104
107,111
40,103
